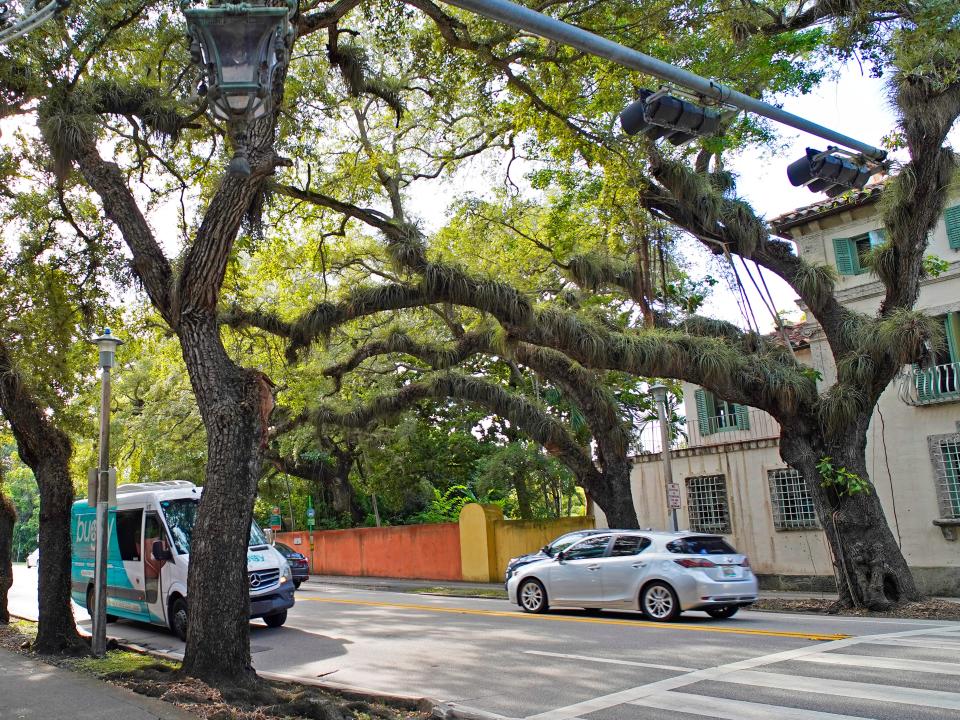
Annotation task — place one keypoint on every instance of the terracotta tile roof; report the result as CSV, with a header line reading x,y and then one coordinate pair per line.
x,y
799,334
829,206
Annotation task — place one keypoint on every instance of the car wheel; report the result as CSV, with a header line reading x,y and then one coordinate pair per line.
x,y
722,613
178,618
276,620
532,596
659,602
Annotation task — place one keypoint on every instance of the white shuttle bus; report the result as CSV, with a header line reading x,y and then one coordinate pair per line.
x,y
149,552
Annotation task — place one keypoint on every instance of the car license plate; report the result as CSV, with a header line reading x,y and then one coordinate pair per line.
x,y
728,570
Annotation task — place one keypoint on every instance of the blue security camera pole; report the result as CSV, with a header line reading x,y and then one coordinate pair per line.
x,y
552,29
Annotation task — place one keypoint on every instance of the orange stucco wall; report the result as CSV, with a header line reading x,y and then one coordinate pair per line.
x,y
429,552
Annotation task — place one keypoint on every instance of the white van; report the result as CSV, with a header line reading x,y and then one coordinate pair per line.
x,y
149,552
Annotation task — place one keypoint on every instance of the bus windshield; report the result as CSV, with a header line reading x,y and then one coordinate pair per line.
x,y
182,514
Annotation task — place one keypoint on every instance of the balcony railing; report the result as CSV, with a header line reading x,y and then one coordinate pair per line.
x,y
932,385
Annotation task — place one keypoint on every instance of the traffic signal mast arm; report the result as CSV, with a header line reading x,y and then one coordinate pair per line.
x,y
559,31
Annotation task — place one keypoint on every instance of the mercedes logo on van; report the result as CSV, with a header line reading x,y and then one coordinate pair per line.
x,y
254,581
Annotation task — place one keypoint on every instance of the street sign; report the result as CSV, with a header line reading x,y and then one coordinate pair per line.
x,y
673,495
311,514
275,522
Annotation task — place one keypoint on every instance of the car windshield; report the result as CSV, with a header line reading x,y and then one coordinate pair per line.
x,y
701,545
563,542
182,514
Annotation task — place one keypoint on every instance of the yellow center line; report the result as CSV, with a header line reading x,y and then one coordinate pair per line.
x,y
595,620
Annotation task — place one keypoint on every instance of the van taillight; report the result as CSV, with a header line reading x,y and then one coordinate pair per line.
x,y
695,562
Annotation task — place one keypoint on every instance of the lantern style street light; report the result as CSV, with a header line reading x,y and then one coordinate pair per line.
x,y
240,48
100,495
659,392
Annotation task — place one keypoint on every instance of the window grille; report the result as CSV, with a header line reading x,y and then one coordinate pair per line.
x,y
948,477
792,505
707,504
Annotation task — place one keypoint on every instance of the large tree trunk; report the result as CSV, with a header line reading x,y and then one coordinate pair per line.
x,y
8,517
234,403
612,494
46,451
869,567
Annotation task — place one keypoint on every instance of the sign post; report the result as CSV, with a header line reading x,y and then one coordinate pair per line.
x,y
276,523
311,523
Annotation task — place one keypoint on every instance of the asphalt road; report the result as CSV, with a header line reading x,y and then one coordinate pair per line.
x,y
486,655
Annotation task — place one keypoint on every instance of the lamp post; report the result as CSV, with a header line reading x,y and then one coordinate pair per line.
x,y
107,345
240,48
659,392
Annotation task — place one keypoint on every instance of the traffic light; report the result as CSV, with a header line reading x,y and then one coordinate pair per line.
x,y
659,115
828,172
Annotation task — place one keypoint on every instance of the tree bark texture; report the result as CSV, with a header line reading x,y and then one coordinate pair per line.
x,y
234,403
46,450
868,564
8,517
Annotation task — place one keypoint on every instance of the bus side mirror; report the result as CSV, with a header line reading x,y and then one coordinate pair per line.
x,y
160,552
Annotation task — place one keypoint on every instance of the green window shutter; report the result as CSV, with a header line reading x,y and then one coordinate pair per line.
x,y
923,377
951,325
845,251
951,218
877,237
703,414
743,416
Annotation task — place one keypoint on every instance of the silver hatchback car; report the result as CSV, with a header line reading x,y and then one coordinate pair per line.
x,y
659,573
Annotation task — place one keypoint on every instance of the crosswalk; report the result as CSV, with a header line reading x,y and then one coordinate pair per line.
x,y
893,676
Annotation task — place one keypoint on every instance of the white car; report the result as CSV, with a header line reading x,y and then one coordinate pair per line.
x,y
659,573
33,559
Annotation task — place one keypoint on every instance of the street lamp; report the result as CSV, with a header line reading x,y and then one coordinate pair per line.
x,y
101,491
659,392
240,48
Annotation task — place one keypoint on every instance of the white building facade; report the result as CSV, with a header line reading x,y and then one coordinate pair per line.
x,y
732,478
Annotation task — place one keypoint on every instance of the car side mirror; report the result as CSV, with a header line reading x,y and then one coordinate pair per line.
x,y
561,556
160,552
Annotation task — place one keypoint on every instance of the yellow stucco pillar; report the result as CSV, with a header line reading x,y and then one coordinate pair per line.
x,y
478,545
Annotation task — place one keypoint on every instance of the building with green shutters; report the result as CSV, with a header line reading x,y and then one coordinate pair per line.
x,y
731,477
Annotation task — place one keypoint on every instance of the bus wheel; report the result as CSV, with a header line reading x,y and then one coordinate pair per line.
x,y
178,618
110,618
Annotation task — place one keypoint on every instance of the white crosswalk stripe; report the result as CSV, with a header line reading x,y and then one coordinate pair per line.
x,y
726,709
819,695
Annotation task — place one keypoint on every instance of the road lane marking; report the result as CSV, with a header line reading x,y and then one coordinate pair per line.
x,y
885,663
603,702
846,688
593,620
936,644
611,661
727,709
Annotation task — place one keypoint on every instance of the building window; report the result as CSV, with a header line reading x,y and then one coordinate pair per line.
x,y
951,218
791,501
707,504
939,381
946,465
715,415
850,252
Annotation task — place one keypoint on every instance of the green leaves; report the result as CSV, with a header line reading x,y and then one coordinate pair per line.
x,y
840,479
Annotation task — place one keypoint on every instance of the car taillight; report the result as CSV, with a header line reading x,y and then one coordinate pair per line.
x,y
695,562
746,561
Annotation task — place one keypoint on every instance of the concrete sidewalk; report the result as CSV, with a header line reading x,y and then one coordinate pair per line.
x,y
34,690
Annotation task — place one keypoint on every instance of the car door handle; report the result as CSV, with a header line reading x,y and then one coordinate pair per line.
x,y
639,565
593,567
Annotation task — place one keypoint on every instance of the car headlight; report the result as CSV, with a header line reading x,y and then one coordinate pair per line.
x,y
285,574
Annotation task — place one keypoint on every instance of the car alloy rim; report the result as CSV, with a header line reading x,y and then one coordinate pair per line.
x,y
532,596
658,601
